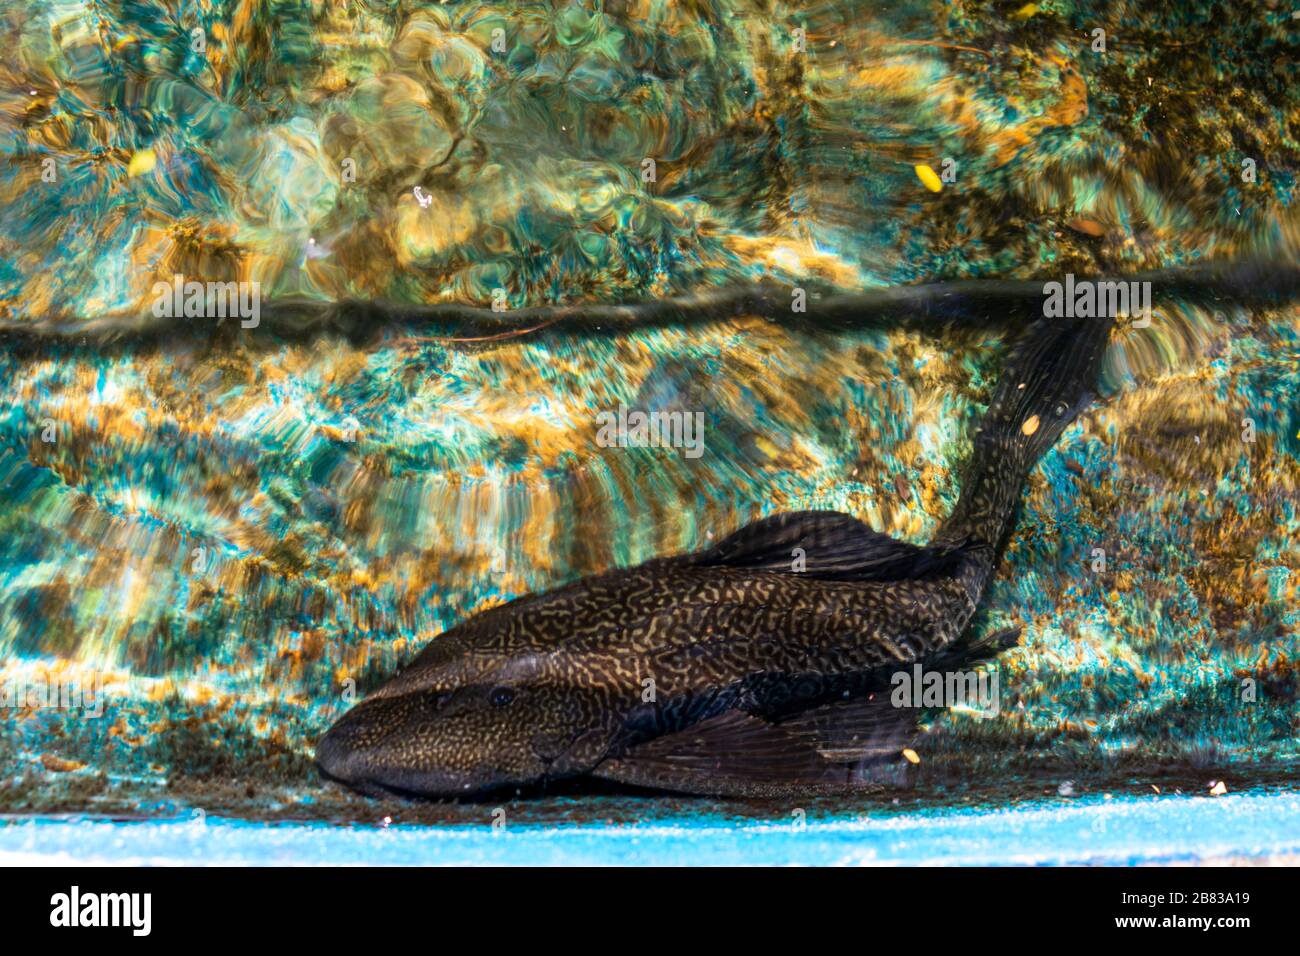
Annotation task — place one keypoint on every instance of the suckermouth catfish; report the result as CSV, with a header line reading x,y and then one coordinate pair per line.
x,y
739,669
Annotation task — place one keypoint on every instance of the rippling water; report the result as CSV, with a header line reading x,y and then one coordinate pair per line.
x,y
232,532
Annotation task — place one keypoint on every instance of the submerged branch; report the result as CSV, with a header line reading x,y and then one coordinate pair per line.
x,y
931,308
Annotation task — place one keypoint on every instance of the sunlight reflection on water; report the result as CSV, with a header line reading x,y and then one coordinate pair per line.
x,y
1258,827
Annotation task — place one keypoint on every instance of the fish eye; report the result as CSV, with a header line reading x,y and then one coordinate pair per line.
x,y
501,696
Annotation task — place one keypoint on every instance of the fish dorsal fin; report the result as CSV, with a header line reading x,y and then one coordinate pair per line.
x,y
838,746
821,544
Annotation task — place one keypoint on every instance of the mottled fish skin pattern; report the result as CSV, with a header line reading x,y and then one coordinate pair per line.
x,y
555,685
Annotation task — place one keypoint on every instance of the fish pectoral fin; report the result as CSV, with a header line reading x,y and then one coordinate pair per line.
x,y
837,746
820,544
971,649
863,729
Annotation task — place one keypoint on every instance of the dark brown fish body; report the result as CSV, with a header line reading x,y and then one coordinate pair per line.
x,y
756,666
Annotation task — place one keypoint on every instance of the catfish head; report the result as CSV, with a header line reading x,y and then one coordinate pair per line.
x,y
473,714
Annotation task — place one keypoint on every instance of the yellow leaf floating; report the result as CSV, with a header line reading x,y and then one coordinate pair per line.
x,y
59,765
142,161
911,756
1088,227
929,178
1025,12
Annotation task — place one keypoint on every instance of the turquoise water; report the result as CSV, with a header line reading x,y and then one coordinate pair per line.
x,y
1125,830
234,533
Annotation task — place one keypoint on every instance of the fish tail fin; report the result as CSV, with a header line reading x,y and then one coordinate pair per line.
x,y
1048,380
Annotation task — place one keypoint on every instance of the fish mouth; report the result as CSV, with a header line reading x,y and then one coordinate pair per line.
x,y
340,763
469,793
378,790
368,750
366,788
371,785
350,753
